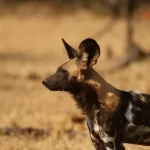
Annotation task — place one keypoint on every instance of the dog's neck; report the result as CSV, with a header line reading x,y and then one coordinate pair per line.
x,y
93,90
95,78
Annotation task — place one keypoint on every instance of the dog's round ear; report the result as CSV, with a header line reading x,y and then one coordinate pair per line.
x,y
89,51
70,51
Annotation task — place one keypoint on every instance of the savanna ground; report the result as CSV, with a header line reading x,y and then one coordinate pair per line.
x,y
31,116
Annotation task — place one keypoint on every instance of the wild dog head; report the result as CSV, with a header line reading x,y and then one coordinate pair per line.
x,y
75,71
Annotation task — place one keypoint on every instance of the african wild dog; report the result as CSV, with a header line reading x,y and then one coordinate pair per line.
x,y
113,116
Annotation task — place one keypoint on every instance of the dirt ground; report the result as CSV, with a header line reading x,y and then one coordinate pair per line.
x,y
31,116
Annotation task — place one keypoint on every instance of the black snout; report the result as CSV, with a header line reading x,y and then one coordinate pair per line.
x,y
45,82
58,81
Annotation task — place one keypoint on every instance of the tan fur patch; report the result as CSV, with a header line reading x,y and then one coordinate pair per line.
x,y
109,99
72,68
80,77
100,89
112,101
142,98
95,85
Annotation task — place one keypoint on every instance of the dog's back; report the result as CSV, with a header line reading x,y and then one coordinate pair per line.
x,y
138,116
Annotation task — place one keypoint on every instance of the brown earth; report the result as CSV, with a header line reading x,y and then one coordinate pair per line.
x,y
34,118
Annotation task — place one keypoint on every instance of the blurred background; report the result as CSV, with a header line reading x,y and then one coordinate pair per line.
x,y
31,116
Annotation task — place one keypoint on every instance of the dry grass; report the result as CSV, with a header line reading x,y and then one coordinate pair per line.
x,y
33,118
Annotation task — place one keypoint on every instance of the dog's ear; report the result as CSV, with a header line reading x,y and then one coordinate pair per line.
x,y
89,51
70,51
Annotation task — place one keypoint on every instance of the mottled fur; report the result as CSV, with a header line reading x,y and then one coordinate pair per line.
x,y
113,116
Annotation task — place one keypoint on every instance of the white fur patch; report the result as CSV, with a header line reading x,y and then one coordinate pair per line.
x,y
85,56
89,122
128,113
105,137
108,138
107,148
136,91
96,128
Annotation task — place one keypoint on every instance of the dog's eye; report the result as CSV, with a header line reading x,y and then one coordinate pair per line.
x,y
63,71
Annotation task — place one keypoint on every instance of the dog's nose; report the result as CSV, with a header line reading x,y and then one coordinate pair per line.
x,y
44,82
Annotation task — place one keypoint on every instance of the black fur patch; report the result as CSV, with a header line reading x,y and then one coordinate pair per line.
x,y
141,109
84,95
58,81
